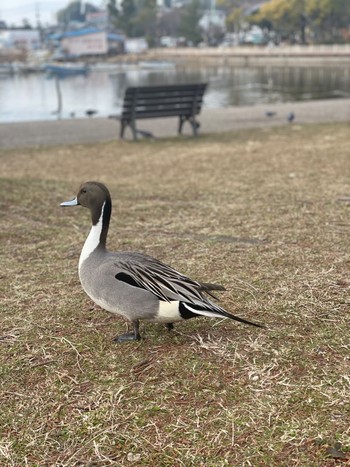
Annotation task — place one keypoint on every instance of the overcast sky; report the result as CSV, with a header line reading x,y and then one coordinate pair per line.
x,y
13,11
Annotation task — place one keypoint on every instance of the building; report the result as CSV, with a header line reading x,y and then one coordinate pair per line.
x,y
99,19
21,39
135,45
213,19
84,42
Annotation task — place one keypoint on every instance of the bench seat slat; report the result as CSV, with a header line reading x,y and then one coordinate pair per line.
x,y
176,111
159,113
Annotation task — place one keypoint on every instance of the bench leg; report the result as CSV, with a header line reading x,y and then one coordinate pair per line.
x,y
192,121
181,123
123,125
134,131
195,125
122,129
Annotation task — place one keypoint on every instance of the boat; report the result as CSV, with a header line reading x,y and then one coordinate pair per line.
x,y
26,68
156,65
6,70
63,70
105,67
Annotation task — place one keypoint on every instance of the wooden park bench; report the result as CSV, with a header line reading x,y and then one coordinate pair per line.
x,y
176,100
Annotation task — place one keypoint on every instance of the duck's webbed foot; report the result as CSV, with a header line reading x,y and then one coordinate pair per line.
x,y
130,336
169,326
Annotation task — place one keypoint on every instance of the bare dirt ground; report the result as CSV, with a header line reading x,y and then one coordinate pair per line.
x,y
265,212
73,131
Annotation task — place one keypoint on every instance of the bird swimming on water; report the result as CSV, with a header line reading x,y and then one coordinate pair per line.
x,y
134,285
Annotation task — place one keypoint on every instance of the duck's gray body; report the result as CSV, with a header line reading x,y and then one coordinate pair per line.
x,y
98,276
133,285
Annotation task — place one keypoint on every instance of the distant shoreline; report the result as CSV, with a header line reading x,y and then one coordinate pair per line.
x,y
313,55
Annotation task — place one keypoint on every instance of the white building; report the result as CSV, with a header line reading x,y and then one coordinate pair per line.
x,y
84,42
135,45
24,39
97,18
213,19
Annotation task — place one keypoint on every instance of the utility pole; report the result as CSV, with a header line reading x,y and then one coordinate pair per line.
x,y
211,20
38,23
37,15
82,7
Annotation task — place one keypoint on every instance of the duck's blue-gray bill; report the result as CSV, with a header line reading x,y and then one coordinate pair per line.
x,y
73,202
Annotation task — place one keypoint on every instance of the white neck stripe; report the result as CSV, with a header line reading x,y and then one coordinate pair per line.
x,y
93,239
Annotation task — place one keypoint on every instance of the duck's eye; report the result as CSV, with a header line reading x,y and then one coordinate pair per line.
x,y
83,190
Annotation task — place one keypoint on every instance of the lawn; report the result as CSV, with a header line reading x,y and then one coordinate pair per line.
x,y
266,213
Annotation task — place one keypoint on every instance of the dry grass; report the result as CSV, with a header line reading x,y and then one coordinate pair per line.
x,y
266,213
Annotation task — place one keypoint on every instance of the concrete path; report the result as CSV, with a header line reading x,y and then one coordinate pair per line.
x,y
29,134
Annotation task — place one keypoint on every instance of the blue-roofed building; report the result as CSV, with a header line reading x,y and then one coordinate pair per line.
x,y
87,42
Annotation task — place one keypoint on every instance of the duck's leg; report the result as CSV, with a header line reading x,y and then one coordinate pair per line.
x,y
130,336
169,326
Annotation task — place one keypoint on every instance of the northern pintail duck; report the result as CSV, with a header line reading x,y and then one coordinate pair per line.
x,y
134,285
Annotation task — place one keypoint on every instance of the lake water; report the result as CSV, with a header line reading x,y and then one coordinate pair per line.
x,y
34,97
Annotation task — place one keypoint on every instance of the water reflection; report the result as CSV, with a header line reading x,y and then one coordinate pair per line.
x,y
33,97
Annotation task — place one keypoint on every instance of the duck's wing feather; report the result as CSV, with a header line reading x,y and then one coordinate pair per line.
x,y
164,281
168,285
